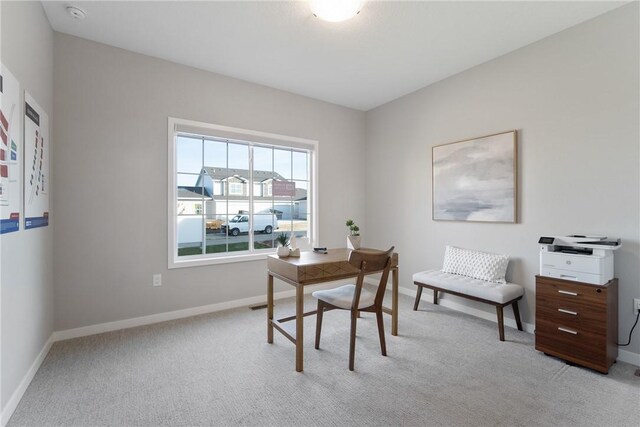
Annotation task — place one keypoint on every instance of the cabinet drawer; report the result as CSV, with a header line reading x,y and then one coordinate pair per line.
x,y
575,317
565,342
577,295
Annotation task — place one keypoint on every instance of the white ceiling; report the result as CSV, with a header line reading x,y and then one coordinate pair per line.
x,y
390,49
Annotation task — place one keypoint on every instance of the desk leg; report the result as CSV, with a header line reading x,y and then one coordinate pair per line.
x,y
299,326
269,308
394,302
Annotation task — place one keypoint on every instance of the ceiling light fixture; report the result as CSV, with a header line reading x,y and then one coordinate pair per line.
x,y
335,10
76,12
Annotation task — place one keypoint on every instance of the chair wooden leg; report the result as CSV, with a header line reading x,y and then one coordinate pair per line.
x,y
435,297
352,340
383,344
319,323
500,321
418,295
516,313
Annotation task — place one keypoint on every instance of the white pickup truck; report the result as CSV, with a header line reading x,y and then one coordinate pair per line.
x,y
240,224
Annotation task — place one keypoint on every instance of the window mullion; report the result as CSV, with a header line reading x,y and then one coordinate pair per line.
x,y
292,198
251,213
202,212
225,187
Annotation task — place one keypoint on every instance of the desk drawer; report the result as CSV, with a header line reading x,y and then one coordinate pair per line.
x,y
572,344
574,295
575,317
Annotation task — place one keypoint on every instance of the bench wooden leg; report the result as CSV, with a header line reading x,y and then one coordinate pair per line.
x,y
500,321
435,297
418,295
516,313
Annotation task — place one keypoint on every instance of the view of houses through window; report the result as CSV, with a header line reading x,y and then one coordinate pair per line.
x,y
237,196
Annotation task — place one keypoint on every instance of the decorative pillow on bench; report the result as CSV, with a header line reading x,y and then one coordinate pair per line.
x,y
479,265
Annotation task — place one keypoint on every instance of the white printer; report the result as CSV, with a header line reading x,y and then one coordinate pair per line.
x,y
581,258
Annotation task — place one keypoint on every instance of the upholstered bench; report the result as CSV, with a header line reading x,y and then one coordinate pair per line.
x,y
475,275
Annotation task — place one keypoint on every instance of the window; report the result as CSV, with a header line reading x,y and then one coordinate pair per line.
x,y
235,188
267,189
232,191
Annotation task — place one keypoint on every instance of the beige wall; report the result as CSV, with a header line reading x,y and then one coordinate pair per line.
x,y
111,177
26,290
573,98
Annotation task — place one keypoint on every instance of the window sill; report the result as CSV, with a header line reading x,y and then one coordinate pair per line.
x,y
201,262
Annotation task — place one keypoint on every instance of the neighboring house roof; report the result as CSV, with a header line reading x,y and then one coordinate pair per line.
x,y
193,193
222,174
225,173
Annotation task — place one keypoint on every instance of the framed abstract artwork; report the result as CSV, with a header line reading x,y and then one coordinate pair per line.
x,y
476,179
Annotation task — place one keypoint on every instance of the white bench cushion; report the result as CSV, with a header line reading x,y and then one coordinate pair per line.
x,y
343,296
496,292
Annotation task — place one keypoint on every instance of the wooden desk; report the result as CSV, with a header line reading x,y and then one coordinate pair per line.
x,y
313,268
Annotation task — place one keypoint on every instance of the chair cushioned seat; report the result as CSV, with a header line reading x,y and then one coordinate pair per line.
x,y
496,292
343,297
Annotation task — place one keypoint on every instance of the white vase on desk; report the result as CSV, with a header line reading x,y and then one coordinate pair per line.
x,y
353,242
282,251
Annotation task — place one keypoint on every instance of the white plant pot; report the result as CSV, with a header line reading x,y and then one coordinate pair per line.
x,y
353,242
282,251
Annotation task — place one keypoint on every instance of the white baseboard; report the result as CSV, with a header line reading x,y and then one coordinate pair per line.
x,y
172,315
629,357
12,404
623,355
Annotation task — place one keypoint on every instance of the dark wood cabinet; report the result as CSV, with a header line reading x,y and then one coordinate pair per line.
x,y
577,321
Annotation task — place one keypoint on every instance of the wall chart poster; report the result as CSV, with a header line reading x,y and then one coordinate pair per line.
x,y
10,152
36,164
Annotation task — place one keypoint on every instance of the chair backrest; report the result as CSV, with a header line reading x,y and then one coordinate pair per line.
x,y
369,262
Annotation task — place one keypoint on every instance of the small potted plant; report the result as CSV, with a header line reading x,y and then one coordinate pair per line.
x,y
353,239
282,241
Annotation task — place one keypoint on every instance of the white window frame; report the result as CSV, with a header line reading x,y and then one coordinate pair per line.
x,y
223,132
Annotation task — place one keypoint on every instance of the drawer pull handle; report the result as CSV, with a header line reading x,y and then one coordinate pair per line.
x,y
569,331
566,276
573,313
575,294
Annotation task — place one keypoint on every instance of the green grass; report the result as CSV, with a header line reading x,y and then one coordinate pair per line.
x,y
214,249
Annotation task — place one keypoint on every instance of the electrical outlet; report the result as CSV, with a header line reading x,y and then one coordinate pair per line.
x,y
157,280
636,305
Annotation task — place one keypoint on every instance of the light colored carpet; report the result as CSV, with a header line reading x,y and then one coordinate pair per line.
x,y
445,368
